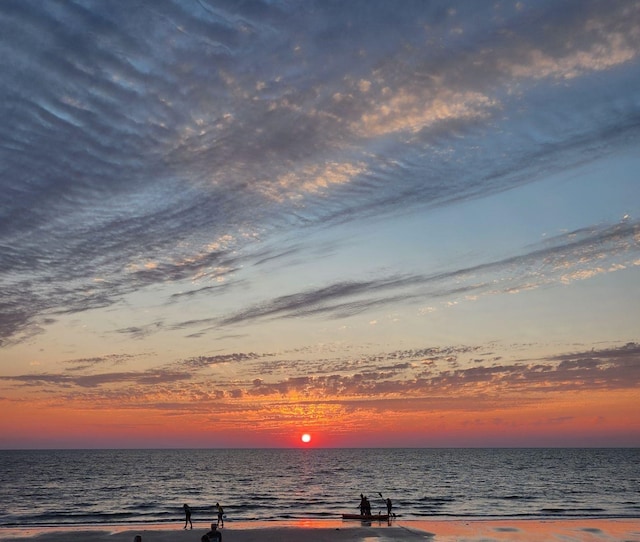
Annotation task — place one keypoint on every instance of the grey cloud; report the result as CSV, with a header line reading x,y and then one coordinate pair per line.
x,y
306,303
145,133
550,262
83,364
205,289
151,377
628,352
208,361
137,332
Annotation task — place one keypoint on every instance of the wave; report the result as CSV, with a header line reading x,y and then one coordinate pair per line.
x,y
84,487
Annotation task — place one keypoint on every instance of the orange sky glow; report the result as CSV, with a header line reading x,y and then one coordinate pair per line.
x,y
587,418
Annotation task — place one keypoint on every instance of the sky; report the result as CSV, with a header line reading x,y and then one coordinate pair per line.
x,y
224,224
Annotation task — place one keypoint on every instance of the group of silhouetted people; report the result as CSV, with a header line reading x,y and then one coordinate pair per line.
x,y
213,534
187,516
216,536
365,505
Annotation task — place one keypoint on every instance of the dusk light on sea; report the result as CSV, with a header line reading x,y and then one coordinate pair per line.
x,y
134,487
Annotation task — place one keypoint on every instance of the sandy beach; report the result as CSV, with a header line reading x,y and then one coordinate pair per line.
x,y
578,530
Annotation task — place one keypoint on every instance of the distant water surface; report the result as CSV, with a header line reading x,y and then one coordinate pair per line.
x,y
85,487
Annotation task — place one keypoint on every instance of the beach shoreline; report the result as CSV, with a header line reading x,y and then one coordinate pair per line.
x,y
312,530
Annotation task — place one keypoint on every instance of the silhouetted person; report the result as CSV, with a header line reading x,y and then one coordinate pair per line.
x,y
363,504
213,534
220,514
187,516
389,506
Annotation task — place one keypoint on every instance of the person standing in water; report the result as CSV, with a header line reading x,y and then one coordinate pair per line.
x,y
187,516
363,504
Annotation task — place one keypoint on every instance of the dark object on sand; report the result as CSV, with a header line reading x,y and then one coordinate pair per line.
x,y
367,517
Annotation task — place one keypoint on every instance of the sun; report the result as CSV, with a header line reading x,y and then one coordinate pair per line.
x,y
306,438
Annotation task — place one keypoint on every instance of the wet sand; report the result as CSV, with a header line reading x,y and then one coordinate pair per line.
x,y
574,530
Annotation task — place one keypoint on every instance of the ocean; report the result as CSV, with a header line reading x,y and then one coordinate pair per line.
x,y
96,487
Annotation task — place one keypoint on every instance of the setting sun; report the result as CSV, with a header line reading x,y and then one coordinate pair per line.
x,y
306,437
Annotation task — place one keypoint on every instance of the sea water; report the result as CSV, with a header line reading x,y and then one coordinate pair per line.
x,y
89,487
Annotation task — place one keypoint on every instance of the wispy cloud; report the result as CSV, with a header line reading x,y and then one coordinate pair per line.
x,y
564,258
152,377
149,145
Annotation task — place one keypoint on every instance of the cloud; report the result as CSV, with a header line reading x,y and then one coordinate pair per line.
x,y
412,379
613,41
83,364
63,381
613,368
572,256
152,144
